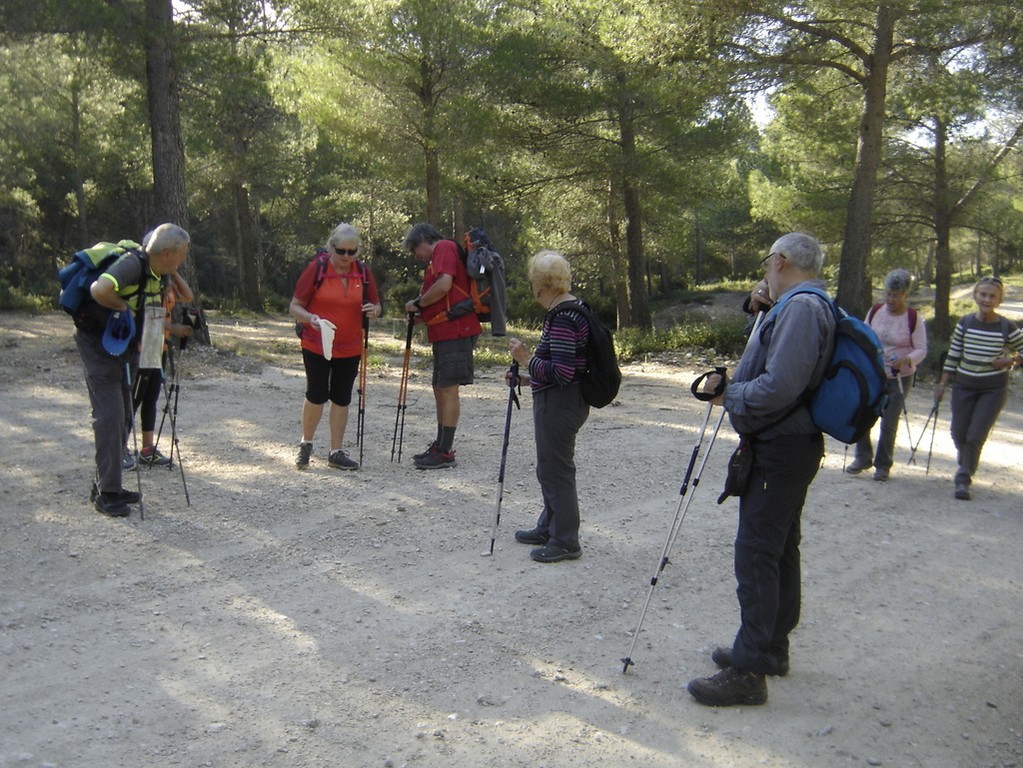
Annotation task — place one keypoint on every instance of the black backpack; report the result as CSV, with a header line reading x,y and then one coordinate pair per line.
x,y
603,378
487,285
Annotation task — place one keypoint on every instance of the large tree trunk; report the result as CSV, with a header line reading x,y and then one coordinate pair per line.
x,y
76,171
614,236
248,252
633,209
853,286
170,198
168,147
941,328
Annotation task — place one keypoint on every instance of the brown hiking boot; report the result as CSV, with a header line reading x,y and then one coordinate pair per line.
x,y
730,687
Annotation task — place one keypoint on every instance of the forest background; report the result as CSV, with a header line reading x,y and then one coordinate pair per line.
x,y
661,145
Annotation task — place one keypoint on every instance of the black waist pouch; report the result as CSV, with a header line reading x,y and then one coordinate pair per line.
x,y
740,467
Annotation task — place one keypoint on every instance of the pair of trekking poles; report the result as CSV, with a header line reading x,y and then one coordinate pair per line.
x,y
399,420
171,389
683,502
932,422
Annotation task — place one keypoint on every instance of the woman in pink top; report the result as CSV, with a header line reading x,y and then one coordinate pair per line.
x,y
904,338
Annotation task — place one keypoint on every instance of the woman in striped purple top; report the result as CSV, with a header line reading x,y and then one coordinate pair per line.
x,y
559,411
978,366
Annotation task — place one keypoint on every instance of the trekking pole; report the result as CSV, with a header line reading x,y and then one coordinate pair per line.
x,y
360,423
134,436
403,389
513,382
905,412
934,428
681,510
932,415
175,388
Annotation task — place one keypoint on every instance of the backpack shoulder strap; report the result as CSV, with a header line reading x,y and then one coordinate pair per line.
x,y
772,314
364,275
321,258
873,311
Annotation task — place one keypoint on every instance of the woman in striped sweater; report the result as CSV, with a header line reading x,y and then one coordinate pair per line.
x,y
978,367
559,410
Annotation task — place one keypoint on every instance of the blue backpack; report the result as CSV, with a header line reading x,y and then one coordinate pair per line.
x,y
77,277
853,391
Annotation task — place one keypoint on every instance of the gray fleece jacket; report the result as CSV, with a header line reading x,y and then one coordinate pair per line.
x,y
784,357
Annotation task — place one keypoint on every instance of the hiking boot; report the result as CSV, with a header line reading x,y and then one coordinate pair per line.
x,y
552,553
111,505
722,656
434,446
858,466
962,491
436,459
305,450
533,536
153,458
729,687
128,497
128,461
881,475
339,460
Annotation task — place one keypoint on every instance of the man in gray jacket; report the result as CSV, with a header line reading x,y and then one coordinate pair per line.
x,y
786,355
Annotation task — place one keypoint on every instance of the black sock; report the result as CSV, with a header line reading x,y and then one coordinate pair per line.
x,y
446,439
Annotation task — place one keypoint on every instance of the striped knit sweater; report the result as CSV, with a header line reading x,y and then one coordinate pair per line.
x,y
560,356
975,345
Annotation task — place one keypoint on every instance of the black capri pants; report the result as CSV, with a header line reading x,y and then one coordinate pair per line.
x,y
329,379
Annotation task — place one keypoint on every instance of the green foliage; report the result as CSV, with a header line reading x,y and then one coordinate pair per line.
x,y
721,338
530,120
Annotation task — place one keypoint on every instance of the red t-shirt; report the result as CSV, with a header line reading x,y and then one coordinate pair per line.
x,y
446,261
338,299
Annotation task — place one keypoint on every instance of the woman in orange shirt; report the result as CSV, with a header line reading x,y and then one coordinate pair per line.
x,y
333,297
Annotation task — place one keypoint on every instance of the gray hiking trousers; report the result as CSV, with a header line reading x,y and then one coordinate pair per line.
x,y
107,379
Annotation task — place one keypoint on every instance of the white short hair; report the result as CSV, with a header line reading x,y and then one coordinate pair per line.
x,y
801,249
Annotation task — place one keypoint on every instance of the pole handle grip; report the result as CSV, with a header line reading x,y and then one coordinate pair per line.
x,y
695,387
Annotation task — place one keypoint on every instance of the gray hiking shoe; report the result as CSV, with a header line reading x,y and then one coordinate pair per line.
x,y
128,461
339,460
305,450
729,687
153,459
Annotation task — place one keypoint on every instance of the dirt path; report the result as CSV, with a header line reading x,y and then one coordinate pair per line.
x,y
350,619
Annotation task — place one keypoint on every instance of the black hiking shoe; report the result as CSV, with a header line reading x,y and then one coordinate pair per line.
x,y
858,466
722,656
552,553
339,460
305,450
962,492
436,459
534,536
729,687
111,505
128,497
434,446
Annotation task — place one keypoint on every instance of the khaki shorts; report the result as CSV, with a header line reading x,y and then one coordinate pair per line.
x,y
452,362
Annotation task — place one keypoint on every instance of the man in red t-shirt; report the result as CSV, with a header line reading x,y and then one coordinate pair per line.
x,y
451,326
